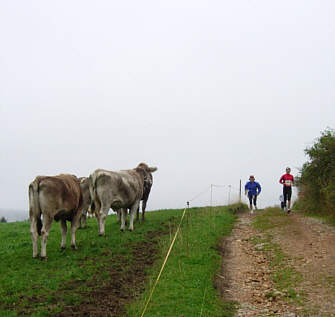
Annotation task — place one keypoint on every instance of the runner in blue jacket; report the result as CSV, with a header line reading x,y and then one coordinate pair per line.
x,y
252,189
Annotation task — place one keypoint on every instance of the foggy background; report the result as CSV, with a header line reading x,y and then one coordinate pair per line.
x,y
208,91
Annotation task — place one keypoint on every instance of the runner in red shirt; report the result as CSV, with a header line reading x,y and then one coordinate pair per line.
x,y
287,180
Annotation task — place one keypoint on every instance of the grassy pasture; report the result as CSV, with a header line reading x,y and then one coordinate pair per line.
x,y
70,279
186,287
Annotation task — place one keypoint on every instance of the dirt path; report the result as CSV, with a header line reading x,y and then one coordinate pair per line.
x,y
293,247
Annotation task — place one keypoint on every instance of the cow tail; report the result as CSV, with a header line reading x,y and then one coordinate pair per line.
x,y
91,186
34,204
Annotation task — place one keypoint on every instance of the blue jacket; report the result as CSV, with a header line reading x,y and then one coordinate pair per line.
x,y
253,188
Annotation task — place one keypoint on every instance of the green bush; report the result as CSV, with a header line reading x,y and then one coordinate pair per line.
x,y
316,182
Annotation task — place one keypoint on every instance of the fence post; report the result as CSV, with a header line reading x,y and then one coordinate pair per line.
x,y
240,191
229,194
211,194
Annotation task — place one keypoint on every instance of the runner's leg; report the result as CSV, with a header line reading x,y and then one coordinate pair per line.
x,y
255,201
289,194
285,196
250,201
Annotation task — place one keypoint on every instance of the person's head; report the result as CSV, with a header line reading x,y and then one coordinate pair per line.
x,y
288,170
252,178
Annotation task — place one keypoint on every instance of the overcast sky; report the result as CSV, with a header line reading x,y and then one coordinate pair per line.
x,y
208,91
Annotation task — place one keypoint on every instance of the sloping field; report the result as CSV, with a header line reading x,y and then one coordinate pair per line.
x,y
113,275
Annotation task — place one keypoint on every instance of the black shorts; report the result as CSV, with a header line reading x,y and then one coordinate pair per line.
x,y
287,191
252,198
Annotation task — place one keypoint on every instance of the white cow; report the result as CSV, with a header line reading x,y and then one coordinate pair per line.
x,y
120,190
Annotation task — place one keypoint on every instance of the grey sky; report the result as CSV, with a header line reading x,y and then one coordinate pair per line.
x,y
207,91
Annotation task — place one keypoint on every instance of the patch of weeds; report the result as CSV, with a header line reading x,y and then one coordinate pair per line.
x,y
271,218
271,294
74,299
258,240
263,242
7,313
278,256
237,208
229,308
291,293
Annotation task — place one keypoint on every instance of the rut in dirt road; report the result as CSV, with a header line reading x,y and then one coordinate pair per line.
x,y
285,267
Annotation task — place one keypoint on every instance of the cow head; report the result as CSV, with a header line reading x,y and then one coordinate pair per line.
x,y
146,168
146,171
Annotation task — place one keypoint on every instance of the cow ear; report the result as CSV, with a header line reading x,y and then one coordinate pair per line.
x,y
152,169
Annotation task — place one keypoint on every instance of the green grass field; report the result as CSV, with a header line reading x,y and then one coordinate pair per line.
x,y
70,279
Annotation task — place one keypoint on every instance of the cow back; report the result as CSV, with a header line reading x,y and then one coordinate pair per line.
x,y
60,196
121,189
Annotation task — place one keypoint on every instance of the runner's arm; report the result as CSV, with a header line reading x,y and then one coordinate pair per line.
x,y
246,188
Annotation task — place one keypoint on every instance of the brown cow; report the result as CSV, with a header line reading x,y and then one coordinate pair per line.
x,y
56,198
117,190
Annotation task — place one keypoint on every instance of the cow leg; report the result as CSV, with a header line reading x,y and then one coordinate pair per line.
x,y
91,211
119,215
75,223
132,212
74,227
102,219
123,218
138,213
63,227
96,212
83,218
144,205
34,235
47,221
83,223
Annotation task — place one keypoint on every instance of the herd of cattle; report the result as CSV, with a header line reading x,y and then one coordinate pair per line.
x,y
68,198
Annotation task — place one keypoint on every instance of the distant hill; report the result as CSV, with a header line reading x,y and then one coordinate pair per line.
x,y
14,214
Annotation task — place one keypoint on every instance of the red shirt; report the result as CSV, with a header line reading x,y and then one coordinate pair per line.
x,y
287,180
